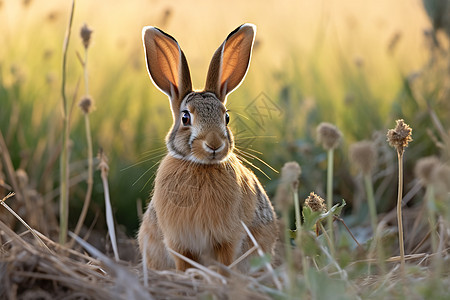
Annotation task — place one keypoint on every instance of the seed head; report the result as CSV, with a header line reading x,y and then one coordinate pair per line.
x,y
400,136
364,155
22,177
328,135
85,104
85,34
289,180
425,167
290,173
441,179
315,202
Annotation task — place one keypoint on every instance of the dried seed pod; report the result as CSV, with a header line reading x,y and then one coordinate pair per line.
x,y
316,203
364,155
328,135
85,34
400,136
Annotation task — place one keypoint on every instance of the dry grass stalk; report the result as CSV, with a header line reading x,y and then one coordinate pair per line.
x,y
261,253
64,167
399,139
104,168
9,167
86,106
31,230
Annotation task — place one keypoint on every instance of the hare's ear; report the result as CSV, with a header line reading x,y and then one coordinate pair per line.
x,y
230,61
166,64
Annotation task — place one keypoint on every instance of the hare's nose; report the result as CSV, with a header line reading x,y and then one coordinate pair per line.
x,y
213,147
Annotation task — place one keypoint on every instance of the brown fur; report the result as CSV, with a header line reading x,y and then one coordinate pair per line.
x,y
210,201
202,191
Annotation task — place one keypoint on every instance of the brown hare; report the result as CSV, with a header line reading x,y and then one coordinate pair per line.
x,y
202,191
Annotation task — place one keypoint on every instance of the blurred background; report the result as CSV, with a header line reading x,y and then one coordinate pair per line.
x,y
357,64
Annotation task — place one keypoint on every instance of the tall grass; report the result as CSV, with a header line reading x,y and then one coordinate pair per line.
x,y
64,164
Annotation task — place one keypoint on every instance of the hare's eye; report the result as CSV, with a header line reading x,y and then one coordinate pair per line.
x,y
186,118
227,118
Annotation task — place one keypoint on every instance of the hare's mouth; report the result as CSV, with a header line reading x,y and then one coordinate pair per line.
x,y
209,153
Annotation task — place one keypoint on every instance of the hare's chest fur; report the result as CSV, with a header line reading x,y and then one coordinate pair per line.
x,y
201,205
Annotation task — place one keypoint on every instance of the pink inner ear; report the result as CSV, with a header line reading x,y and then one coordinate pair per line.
x,y
168,58
230,60
235,58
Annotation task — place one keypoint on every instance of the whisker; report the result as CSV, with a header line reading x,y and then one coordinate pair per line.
x,y
252,165
257,158
254,136
142,161
153,151
156,163
249,149
240,115
154,154
148,180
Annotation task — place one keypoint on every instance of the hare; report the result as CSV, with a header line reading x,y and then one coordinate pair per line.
x,y
202,191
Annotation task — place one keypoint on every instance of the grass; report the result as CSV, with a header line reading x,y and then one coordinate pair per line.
x,y
333,62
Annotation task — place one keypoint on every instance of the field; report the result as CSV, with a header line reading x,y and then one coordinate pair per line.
x,y
357,65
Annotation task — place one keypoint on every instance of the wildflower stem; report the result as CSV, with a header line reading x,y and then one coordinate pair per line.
x,y
330,198
432,217
64,164
374,221
90,175
298,221
399,210
287,244
371,202
86,81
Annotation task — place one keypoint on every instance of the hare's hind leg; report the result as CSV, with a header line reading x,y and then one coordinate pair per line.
x,y
151,243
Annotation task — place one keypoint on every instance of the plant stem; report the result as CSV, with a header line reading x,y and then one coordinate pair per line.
x,y
330,198
371,203
90,179
298,221
104,168
399,211
432,217
373,220
64,165
287,244
86,78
